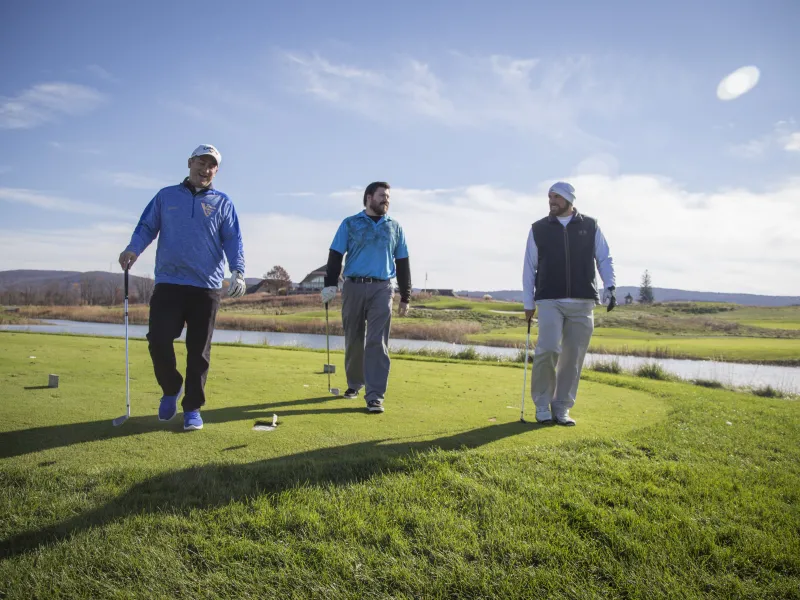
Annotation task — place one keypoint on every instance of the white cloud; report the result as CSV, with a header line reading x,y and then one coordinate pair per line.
x,y
101,73
55,203
78,147
474,237
133,181
783,136
45,102
792,142
95,247
532,95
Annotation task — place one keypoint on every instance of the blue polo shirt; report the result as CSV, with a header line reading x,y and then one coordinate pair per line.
x,y
370,248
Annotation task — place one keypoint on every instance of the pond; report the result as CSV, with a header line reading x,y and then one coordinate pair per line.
x,y
786,379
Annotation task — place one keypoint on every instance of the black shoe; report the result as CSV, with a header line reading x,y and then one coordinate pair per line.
x,y
350,393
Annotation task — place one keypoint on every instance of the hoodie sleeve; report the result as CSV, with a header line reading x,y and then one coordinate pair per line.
x,y
529,267
148,227
605,262
232,239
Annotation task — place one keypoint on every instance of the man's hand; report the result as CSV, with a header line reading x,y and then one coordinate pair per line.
x,y
611,296
403,309
237,288
126,259
328,293
529,314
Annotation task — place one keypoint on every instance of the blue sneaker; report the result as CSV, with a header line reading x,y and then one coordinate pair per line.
x,y
192,420
169,406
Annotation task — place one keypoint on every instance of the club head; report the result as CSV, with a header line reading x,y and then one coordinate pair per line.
x,y
335,391
119,420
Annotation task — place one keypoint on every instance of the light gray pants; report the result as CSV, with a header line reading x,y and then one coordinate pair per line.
x,y
367,318
565,329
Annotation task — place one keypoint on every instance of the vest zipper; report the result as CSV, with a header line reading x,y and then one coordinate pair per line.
x,y
566,247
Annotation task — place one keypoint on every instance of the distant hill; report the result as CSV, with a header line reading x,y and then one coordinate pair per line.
x,y
13,278
69,287
34,282
664,295
41,279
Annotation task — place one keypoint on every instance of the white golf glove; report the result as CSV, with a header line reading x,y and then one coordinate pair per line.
x,y
237,287
328,293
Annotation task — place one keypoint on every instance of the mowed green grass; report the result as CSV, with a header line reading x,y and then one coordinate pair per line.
x,y
662,490
624,341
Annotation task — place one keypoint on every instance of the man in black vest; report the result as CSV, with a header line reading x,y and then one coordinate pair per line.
x,y
558,279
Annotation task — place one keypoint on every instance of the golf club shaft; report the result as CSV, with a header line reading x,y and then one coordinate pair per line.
x,y
328,346
525,375
127,370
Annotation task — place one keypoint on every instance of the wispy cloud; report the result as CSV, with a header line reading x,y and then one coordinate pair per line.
x,y
133,181
784,136
79,147
68,248
792,142
46,102
56,203
529,94
483,243
668,233
296,194
102,73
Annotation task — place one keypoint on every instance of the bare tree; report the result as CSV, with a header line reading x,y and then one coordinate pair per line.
x,y
144,289
89,291
113,290
278,278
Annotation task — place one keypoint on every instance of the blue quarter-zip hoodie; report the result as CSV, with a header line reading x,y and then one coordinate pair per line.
x,y
194,228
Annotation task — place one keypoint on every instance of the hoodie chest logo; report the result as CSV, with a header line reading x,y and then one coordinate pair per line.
x,y
208,209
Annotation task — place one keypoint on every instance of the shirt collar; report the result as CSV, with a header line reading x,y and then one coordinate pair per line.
x,y
364,214
187,184
576,216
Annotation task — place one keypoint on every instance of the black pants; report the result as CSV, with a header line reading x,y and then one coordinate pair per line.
x,y
170,307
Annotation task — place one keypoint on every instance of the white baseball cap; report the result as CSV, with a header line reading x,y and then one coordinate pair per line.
x,y
204,149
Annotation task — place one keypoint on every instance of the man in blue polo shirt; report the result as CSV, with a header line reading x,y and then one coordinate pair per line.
x,y
197,228
376,253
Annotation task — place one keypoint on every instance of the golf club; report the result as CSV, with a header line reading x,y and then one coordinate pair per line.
x,y
329,368
525,375
120,420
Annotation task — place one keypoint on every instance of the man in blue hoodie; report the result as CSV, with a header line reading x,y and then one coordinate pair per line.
x,y
197,228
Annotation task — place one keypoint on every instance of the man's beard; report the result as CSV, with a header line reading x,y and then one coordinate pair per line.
x,y
378,208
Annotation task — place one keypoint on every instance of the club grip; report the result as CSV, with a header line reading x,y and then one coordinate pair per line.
x,y
126,283
529,325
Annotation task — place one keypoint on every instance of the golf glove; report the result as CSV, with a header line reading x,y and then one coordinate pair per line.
x,y
328,293
237,287
610,295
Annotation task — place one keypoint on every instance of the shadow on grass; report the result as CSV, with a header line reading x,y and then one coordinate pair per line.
x,y
211,486
36,439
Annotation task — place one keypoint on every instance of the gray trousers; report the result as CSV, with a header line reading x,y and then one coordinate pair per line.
x,y
367,318
565,329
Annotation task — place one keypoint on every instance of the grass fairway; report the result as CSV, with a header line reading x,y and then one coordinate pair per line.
x,y
662,490
622,341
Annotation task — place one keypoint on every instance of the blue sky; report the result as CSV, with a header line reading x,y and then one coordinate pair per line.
x,y
470,113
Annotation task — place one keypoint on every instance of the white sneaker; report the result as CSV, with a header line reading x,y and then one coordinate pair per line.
x,y
543,416
565,419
